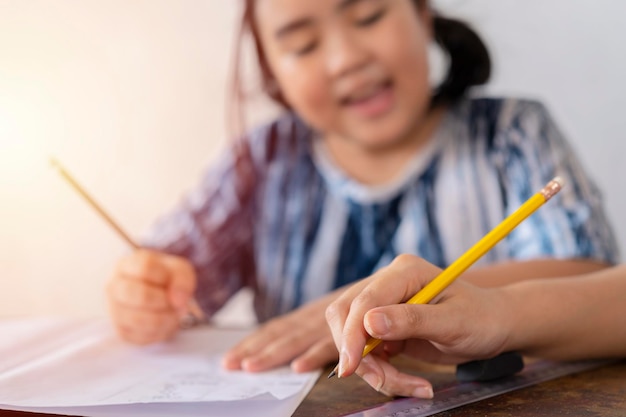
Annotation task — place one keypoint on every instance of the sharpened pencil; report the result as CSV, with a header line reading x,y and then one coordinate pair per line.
x,y
452,272
196,314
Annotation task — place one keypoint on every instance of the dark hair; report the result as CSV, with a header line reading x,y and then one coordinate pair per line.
x,y
470,64
469,61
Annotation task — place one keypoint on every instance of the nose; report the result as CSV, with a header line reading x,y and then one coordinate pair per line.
x,y
345,54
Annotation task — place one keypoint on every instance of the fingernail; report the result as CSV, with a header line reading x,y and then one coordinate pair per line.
x,y
373,380
344,362
423,392
377,324
229,363
299,365
248,364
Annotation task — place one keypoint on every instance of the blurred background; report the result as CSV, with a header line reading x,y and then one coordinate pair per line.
x,y
130,95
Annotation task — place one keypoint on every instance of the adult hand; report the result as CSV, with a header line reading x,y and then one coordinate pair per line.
x,y
465,323
148,295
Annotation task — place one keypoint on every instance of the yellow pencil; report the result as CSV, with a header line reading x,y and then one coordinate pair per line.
x,y
452,272
196,314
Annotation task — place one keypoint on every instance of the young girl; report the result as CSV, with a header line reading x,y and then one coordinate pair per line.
x,y
571,318
368,162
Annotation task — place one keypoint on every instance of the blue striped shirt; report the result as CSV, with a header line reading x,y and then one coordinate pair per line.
x,y
285,220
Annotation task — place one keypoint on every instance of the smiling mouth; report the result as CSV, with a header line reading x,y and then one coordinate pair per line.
x,y
371,102
366,94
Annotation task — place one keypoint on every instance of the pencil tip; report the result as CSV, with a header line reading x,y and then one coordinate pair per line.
x,y
332,374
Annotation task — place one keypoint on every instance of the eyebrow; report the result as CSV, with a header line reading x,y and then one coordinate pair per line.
x,y
305,22
293,26
344,4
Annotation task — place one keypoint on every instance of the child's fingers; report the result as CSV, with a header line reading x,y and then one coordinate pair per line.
x,y
143,327
317,356
275,343
182,282
249,346
278,352
284,339
138,294
310,349
161,270
144,265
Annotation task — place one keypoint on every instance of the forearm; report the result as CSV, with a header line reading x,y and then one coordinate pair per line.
x,y
514,271
568,318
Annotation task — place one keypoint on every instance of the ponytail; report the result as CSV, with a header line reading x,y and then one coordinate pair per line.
x,y
470,64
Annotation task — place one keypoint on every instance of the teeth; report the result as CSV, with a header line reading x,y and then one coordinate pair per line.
x,y
365,94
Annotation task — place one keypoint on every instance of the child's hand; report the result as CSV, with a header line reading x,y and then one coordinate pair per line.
x,y
301,338
466,323
148,294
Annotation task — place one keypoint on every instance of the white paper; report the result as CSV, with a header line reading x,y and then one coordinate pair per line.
x,y
83,368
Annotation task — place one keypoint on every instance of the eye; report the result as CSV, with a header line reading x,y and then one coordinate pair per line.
x,y
307,49
371,19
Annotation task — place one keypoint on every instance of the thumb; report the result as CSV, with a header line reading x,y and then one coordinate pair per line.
x,y
408,321
182,283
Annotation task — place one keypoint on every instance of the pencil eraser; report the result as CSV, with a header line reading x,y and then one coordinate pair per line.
x,y
503,365
559,181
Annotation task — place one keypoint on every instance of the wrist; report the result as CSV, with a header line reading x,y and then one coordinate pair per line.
x,y
510,318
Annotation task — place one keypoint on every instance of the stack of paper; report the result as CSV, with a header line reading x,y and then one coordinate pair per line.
x,y
82,368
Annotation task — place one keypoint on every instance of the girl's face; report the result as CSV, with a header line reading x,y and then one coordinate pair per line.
x,y
356,69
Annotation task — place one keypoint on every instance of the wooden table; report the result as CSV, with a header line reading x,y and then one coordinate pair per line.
x,y
599,392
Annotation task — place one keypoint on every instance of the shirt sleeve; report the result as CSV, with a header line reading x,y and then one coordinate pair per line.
x,y
573,224
212,227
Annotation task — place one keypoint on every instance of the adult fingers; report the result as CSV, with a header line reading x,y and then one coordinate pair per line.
x,y
406,321
463,324
385,378
425,351
337,311
393,284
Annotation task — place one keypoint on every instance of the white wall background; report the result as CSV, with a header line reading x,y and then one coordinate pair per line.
x,y
130,95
